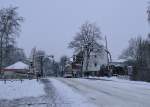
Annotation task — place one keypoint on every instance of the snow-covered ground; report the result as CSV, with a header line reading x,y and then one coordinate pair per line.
x,y
16,89
108,92
75,92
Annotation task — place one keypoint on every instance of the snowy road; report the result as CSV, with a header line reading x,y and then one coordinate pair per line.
x,y
75,92
111,93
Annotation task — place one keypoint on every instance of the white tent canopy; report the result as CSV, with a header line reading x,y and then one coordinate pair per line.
x,y
18,65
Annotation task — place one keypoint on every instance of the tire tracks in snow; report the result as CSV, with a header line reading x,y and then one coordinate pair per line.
x,y
105,94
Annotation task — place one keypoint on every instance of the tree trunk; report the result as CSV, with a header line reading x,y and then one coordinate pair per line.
x,y
87,61
1,54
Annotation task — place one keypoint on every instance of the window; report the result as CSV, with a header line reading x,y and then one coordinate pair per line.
x,y
95,64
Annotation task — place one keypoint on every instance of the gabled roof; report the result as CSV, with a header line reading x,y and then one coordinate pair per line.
x,y
18,65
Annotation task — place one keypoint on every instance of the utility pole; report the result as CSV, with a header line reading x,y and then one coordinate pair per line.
x,y
108,60
107,50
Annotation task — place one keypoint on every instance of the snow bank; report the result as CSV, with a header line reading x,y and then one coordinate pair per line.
x,y
120,79
16,89
69,95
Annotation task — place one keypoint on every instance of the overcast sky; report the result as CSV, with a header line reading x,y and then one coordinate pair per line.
x,y
51,24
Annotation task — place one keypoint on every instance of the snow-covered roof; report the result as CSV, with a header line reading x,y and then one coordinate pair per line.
x,y
18,65
68,65
120,60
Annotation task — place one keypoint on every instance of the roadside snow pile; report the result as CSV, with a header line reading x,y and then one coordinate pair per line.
x,y
17,89
118,79
121,82
69,95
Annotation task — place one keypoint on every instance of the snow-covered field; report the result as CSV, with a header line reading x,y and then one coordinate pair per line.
x,y
16,89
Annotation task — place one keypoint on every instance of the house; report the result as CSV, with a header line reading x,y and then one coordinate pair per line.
x,y
76,69
18,69
96,60
77,64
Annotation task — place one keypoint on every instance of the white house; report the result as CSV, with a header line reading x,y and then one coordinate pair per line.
x,y
96,60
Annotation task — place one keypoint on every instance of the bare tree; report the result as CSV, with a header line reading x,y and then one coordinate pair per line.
x,y
9,28
148,13
87,40
131,51
138,55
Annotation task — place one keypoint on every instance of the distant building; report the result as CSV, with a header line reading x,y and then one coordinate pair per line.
x,y
119,67
77,64
118,63
18,69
